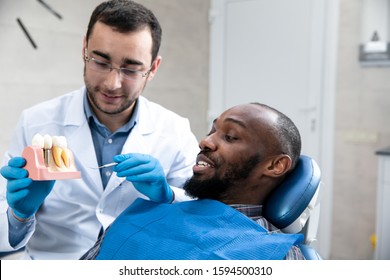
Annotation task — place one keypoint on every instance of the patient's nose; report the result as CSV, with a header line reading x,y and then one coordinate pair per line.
x,y
207,143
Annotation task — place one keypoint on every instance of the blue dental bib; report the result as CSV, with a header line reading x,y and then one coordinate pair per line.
x,y
192,230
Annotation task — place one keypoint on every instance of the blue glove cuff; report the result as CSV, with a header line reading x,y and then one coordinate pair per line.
x,y
173,197
20,216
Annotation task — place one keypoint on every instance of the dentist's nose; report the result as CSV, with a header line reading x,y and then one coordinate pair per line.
x,y
113,80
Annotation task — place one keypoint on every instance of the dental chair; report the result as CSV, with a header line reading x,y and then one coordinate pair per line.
x,y
294,206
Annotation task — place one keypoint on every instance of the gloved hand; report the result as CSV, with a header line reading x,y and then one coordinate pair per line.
x,y
146,174
24,195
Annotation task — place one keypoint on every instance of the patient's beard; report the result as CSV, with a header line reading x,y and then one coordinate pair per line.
x,y
217,188
212,188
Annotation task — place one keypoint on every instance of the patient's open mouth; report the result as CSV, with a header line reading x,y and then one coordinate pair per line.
x,y
203,163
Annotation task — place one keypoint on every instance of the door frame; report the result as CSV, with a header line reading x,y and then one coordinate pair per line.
x,y
327,103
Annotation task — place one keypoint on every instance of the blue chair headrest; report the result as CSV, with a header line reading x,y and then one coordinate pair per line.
x,y
288,201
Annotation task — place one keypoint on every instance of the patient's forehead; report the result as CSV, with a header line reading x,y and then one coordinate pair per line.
x,y
252,114
258,123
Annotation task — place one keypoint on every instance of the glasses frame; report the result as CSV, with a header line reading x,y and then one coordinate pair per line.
x,y
119,69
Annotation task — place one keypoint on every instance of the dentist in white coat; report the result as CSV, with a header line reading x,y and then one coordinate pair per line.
x,y
106,120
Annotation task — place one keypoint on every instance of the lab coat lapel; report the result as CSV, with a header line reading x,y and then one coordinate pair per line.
x,y
135,143
80,141
85,155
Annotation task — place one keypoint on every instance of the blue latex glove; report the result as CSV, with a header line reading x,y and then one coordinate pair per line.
x,y
24,195
146,174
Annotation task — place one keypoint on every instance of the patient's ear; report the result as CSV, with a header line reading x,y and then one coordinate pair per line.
x,y
278,166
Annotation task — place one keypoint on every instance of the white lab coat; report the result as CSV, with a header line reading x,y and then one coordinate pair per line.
x,y
71,216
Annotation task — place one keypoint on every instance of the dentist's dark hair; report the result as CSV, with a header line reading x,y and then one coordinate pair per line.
x,y
127,16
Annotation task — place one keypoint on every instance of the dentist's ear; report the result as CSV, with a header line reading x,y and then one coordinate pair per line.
x,y
156,63
84,52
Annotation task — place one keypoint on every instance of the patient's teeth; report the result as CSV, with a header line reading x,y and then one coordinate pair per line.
x,y
203,163
38,140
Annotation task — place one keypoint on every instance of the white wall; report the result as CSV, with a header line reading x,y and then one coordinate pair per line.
x,y
28,75
285,58
31,75
362,127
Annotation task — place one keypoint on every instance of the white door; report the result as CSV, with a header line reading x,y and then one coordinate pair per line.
x,y
272,52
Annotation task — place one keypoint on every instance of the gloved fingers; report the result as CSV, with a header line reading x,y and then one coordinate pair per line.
x,y
44,186
17,162
122,157
16,197
14,186
45,183
148,169
145,178
10,173
129,161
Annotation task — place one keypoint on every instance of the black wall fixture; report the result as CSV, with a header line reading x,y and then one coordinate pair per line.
x,y
24,29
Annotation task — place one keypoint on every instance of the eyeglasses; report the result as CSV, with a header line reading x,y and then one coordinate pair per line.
x,y
104,67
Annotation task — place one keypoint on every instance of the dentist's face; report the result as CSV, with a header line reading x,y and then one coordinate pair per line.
x,y
110,93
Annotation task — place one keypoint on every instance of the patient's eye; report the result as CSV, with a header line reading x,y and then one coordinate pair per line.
x,y
230,138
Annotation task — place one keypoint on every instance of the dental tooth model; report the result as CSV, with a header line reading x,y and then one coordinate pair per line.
x,y
38,140
47,144
61,154
49,158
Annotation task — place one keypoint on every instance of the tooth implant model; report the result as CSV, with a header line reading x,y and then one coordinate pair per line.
x,y
48,158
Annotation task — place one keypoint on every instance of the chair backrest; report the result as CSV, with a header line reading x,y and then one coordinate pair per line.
x,y
294,206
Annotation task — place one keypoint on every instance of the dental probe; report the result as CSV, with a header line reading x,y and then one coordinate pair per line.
x,y
105,165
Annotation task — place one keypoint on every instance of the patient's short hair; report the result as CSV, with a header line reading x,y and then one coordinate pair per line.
x,y
287,133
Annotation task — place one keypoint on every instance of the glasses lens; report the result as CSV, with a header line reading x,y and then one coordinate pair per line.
x,y
103,67
99,66
130,74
